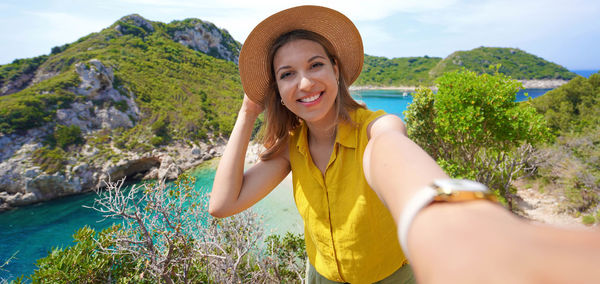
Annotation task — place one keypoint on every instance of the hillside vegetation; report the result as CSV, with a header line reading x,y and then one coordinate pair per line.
x,y
422,71
403,71
194,92
514,62
571,166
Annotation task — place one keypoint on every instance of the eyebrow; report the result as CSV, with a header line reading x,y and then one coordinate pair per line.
x,y
309,60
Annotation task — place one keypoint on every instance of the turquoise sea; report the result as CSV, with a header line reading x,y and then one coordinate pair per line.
x,y
396,102
32,231
586,73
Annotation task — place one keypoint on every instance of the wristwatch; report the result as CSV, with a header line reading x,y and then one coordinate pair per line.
x,y
441,190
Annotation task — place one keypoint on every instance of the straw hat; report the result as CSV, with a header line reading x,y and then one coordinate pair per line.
x,y
329,23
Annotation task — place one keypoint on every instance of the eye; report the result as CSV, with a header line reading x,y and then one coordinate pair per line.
x,y
317,64
285,75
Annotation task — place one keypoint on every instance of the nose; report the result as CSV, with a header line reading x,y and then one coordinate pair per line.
x,y
306,83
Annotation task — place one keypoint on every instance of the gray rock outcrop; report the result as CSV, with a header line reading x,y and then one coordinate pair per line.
x,y
137,21
207,38
16,85
23,182
97,85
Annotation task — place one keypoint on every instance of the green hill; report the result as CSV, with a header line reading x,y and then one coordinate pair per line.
x,y
514,62
416,71
183,72
403,71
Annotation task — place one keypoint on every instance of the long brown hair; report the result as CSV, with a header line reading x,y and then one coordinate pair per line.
x,y
279,120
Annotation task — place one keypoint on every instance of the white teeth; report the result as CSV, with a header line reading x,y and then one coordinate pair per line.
x,y
310,99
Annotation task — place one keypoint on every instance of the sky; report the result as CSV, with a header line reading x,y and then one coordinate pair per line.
x,y
566,32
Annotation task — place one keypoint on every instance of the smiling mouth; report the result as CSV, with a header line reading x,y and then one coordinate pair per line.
x,y
311,98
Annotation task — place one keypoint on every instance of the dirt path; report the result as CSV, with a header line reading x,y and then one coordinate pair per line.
x,y
544,208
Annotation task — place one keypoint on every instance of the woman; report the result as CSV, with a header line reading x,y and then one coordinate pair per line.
x,y
296,66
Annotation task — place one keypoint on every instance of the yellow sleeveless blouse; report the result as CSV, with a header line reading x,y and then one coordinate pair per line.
x,y
350,235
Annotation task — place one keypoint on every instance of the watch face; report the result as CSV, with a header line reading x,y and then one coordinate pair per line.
x,y
459,184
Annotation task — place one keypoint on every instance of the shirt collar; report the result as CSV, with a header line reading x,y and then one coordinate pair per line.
x,y
346,135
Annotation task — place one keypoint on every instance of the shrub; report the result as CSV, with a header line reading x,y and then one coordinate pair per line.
x,y
50,160
161,126
67,135
121,106
289,254
588,220
157,141
21,115
474,128
5,262
85,262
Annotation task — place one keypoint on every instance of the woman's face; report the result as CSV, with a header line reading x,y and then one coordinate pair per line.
x,y
307,80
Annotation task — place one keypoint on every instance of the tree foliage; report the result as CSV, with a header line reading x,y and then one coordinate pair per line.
x,y
85,263
474,128
573,107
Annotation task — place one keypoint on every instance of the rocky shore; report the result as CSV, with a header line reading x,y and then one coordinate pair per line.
x,y
398,88
22,182
527,84
542,84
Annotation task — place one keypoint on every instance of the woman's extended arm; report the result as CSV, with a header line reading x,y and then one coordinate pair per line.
x,y
471,242
233,190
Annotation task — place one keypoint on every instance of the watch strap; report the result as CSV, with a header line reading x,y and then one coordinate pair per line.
x,y
420,199
442,190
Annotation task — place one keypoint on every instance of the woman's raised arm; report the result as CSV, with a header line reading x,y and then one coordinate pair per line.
x,y
233,189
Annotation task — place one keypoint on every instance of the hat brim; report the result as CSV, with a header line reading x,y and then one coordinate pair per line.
x,y
331,24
